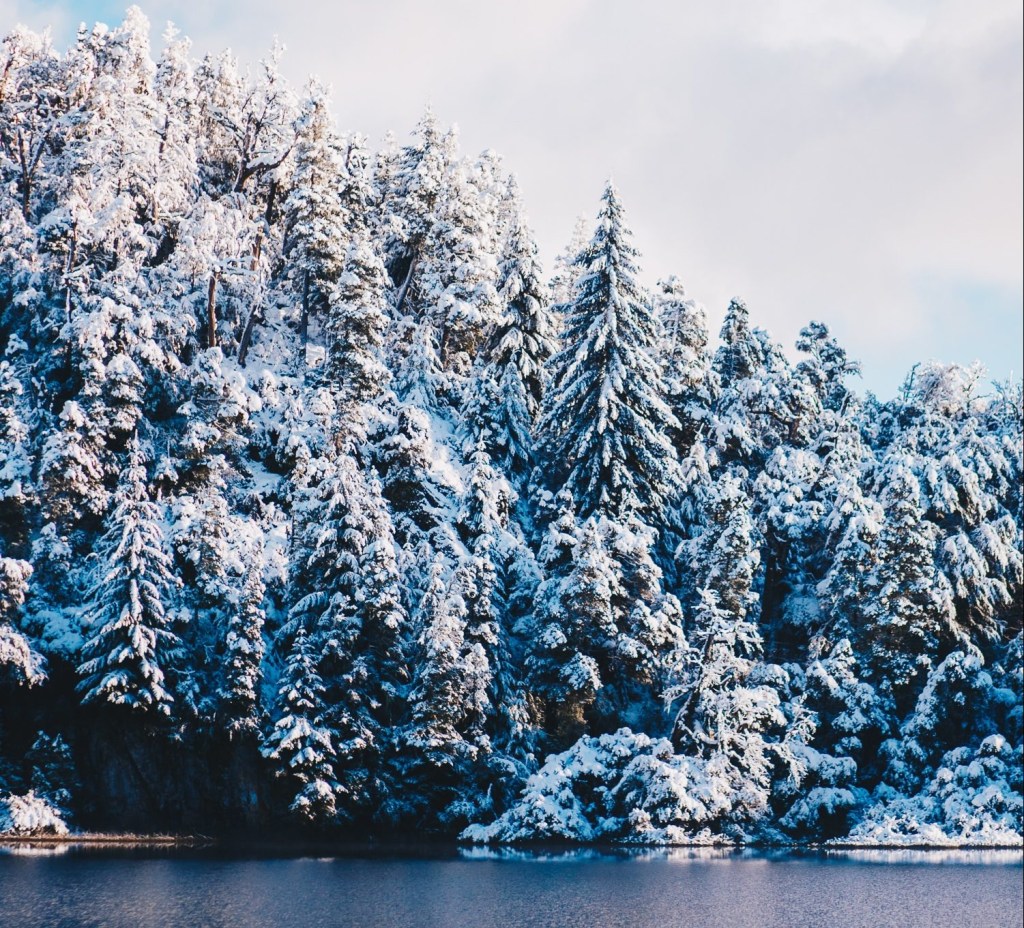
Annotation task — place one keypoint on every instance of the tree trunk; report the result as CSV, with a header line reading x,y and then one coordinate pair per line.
x,y
257,249
67,271
405,283
211,313
304,322
250,324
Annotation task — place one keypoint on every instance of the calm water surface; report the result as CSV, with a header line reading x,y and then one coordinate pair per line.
x,y
75,889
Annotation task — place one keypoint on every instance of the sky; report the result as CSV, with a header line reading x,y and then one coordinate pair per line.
x,y
854,163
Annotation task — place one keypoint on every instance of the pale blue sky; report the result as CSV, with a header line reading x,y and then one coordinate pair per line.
x,y
855,163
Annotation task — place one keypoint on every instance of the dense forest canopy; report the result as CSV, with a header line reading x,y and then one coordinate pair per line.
x,y
324,504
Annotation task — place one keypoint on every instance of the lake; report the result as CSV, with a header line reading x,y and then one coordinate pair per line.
x,y
75,888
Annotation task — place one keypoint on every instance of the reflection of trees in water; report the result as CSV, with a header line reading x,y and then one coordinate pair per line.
x,y
554,854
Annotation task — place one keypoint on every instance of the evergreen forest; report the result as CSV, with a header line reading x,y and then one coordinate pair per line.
x,y
326,508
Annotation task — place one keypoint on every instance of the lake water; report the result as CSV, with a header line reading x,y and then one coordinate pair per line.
x,y
475,889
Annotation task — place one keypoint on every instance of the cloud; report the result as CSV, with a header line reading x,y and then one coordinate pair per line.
x,y
821,159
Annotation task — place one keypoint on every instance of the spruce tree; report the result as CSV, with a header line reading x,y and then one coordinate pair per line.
x,y
315,223
605,430
910,609
300,743
19,660
685,360
356,319
726,716
129,647
519,349
244,650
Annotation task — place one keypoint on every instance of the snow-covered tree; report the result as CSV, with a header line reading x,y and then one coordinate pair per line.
x,y
685,360
727,713
300,744
316,228
244,648
18,658
355,321
910,610
604,433
519,349
130,646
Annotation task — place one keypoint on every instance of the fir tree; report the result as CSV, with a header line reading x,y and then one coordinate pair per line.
x,y
604,433
910,609
300,743
520,347
356,321
243,655
315,223
726,715
130,646
686,362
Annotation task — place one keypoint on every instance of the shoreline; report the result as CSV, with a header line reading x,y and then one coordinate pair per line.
x,y
100,839
397,844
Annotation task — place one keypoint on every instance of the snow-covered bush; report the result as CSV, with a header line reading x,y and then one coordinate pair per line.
x,y
623,786
30,814
975,797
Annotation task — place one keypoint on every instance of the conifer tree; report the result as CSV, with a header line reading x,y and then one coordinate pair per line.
x,y
519,349
19,660
16,488
300,743
566,271
726,715
604,433
354,620
356,321
315,226
444,737
417,177
910,608
686,362
243,657
130,647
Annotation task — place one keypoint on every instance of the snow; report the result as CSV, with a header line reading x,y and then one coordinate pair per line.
x,y
30,815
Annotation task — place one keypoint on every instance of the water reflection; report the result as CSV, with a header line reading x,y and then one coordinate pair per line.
x,y
907,856
35,850
443,887
1000,856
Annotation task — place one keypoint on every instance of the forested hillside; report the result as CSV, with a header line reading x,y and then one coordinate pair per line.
x,y
324,506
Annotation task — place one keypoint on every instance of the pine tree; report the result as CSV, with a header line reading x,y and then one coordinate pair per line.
x,y
356,321
417,177
316,231
910,609
456,273
519,349
353,617
16,489
300,743
604,630
19,660
443,738
567,271
686,362
739,355
130,647
489,576
604,434
244,649
827,366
